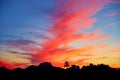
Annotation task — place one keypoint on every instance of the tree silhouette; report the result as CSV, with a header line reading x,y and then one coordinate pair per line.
x,y
46,71
66,64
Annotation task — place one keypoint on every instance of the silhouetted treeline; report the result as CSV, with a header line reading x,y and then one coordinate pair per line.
x,y
45,71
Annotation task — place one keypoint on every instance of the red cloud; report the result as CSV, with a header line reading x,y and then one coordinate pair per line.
x,y
7,65
12,65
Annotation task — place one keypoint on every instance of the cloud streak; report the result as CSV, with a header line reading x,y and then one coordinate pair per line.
x,y
113,13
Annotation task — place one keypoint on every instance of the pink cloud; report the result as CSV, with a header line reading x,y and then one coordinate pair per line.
x,y
69,19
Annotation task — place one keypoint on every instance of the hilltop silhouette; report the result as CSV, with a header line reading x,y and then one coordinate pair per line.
x,y
46,71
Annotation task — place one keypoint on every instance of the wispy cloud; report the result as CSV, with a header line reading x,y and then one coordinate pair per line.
x,y
24,44
112,14
20,53
70,20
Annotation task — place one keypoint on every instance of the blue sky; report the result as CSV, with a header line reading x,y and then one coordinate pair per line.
x,y
19,14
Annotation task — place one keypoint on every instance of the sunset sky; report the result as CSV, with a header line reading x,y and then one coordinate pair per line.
x,y
78,31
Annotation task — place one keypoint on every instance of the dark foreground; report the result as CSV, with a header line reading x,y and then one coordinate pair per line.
x,y
46,71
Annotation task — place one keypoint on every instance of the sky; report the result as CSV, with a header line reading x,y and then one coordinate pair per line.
x,y
78,31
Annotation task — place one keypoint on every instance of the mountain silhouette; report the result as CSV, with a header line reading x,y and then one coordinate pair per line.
x,y
46,71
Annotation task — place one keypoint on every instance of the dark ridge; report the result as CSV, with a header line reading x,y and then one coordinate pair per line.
x,y
45,71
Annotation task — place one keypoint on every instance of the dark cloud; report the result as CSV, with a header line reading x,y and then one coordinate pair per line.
x,y
24,42
4,38
17,41
7,36
16,52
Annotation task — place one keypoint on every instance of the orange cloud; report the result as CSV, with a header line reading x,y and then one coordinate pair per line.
x,y
114,51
